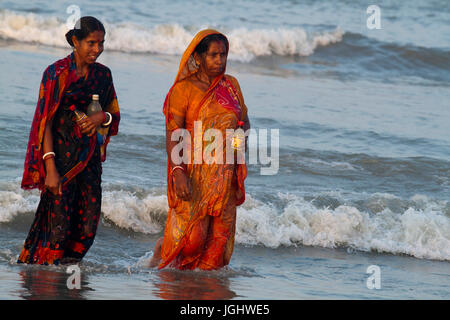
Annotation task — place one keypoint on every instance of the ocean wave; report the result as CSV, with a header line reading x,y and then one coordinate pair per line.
x,y
170,39
387,59
421,229
15,201
127,211
331,53
418,226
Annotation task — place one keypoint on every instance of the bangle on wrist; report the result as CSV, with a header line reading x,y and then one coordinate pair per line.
x,y
109,121
177,167
46,156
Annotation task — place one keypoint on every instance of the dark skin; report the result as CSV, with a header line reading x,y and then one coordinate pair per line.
x,y
211,64
86,52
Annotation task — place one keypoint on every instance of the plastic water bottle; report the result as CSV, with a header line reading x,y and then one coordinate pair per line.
x,y
93,108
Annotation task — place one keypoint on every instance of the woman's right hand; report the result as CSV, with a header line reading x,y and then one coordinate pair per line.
x,y
89,124
183,188
53,182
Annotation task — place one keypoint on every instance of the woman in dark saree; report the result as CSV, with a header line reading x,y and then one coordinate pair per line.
x,y
64,156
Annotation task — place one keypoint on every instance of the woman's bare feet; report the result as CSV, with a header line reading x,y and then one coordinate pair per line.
x,y
156,259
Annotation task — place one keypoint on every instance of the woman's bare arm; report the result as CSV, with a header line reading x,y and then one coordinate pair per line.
x,y
52,178
181,181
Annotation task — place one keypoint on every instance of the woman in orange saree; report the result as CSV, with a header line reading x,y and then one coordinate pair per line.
x,y
202,195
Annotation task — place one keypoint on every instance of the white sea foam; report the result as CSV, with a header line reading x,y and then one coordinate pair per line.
x,y
123,208
422,231
127,211
14,201
418,226
32,28
171,39
7,255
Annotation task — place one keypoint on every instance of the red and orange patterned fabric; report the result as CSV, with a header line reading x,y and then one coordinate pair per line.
x,y
200,233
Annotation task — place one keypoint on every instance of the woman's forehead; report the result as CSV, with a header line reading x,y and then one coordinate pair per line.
x,y
95,36
217,46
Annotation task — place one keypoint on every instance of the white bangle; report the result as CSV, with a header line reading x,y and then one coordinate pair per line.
x,y
177,167
109,121
48,153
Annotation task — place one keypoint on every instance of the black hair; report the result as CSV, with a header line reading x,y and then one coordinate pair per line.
x,y
83,27
203,46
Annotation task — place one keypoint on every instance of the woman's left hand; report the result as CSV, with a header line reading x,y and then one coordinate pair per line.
x,y
89,125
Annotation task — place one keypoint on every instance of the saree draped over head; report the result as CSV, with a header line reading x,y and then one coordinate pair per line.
x,y
65,226
200,233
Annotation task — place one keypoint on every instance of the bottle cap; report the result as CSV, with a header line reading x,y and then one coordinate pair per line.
x,y
95,97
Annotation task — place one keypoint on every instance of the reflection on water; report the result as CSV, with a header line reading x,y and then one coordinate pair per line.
x,y
192,285
40,283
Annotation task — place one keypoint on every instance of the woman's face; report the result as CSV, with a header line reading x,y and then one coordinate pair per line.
x,y
214,60
91,47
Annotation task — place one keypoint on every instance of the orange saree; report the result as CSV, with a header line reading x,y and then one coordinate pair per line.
x,y
200,233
